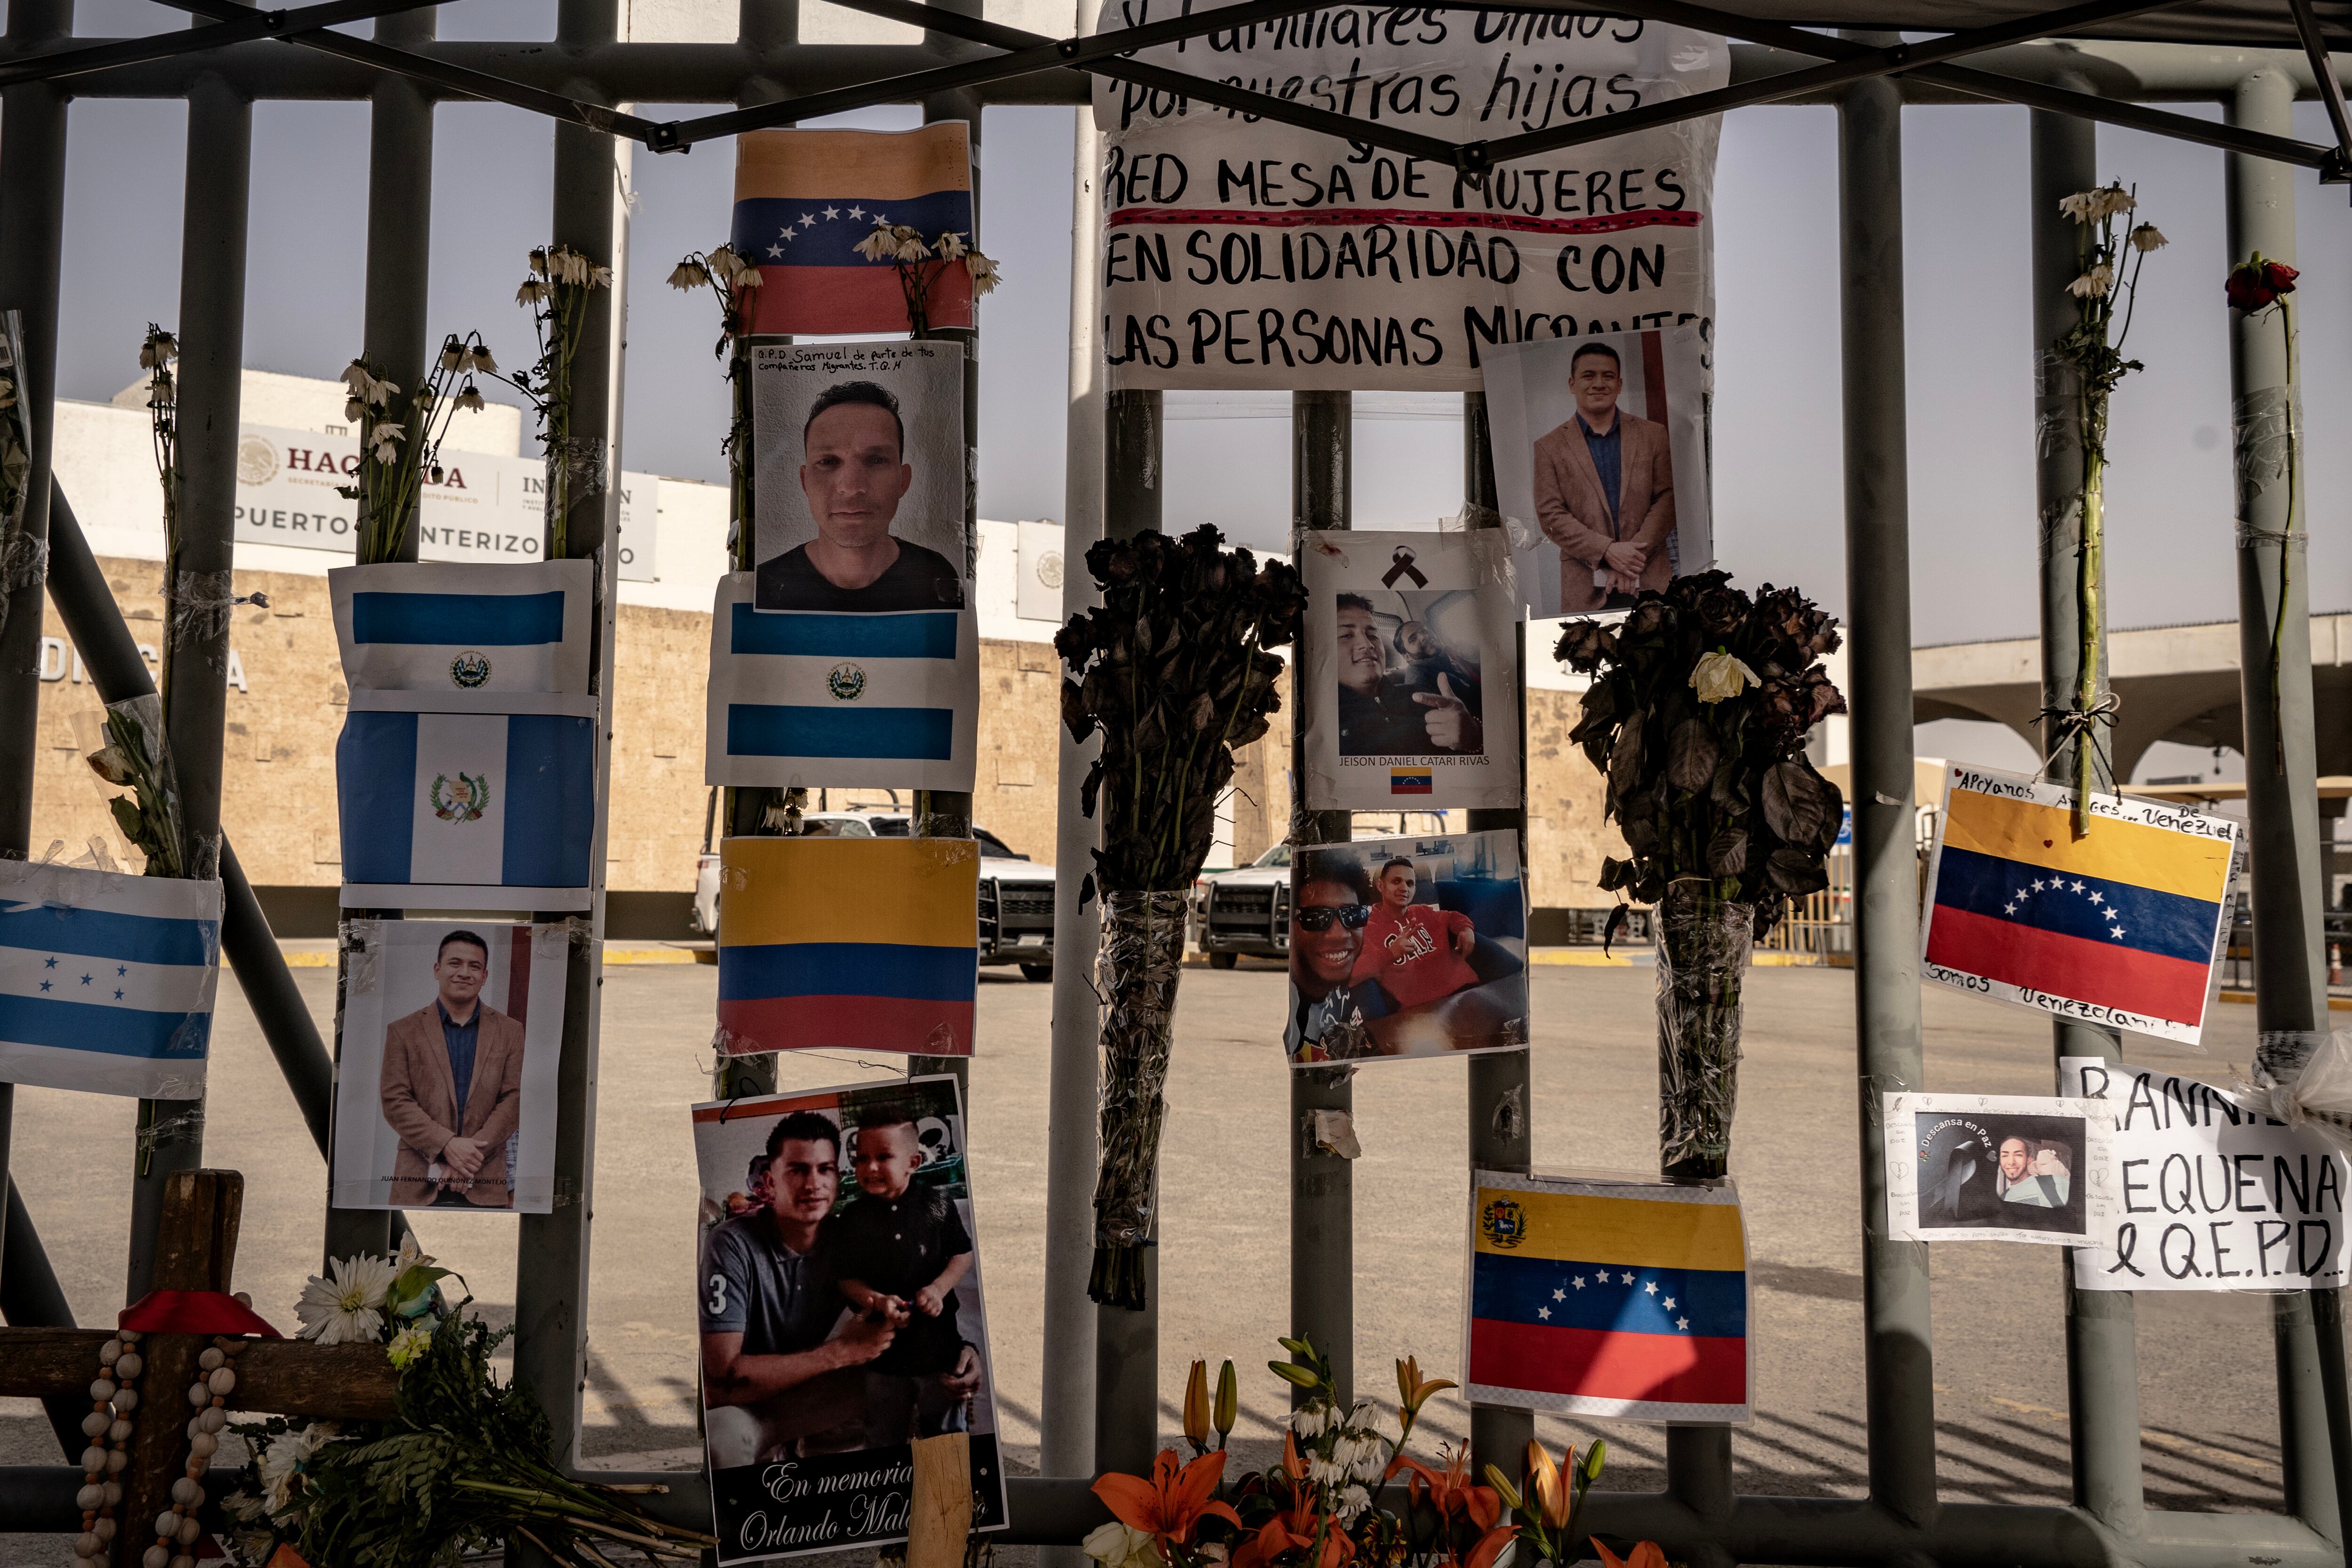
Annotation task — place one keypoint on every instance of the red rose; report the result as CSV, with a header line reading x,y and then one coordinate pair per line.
x,y
2259,282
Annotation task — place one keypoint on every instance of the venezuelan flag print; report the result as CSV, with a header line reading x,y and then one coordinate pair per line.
x,y
865,944
803,200
1622,1298
2119,926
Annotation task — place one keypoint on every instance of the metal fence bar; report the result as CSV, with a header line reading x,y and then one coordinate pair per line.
x,y
2102,1360
2282,785
1501,1084
1898,1359
32,235
196,643
1065,1412
1322,1184
399,260
1127,1344
552,1274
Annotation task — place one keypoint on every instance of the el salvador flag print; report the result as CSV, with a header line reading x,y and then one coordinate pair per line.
x,y
106,980
460,637
466,811
804,699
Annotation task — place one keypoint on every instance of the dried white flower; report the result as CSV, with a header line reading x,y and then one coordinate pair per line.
x,y
453,355
531,292
359,378
469,400
688,275
2148,237
354,410
1720,675
984,275
481,360
950,245
879,246
2097,206
2098,280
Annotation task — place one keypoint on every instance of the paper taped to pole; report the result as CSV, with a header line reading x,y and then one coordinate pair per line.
x,y
854,943
800,699
445,1089
1608,1298
464,638
106,980
803,200
2210,1192
1994,1167
1411,685
1241,253
1601,464
2122,927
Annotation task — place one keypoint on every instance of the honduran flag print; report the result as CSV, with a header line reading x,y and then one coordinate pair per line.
x,y
1619,1299
2121,926
466,638
802,699
107,980
466,811
853,944
803,200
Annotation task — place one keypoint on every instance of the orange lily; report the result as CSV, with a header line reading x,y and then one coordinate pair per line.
x,y
1196,1405
1175,1499
1547,1489
1648,1554
1412,1389
1293,1529
1452,1492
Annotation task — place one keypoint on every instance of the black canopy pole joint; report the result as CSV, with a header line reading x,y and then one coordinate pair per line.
x,y
2337,168
67,62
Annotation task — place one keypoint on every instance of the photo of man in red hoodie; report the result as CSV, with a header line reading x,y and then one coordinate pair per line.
x,y
1418,951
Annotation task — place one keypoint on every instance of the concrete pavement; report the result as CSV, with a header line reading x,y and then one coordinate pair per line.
x,y
2206,1377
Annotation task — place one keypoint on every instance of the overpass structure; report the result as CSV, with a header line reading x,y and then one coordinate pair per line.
x,y
2178,683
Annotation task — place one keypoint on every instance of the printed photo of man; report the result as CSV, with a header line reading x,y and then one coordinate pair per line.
x,y
774,1336
452,1088
1413,710
2028,1177
853,474
1604,492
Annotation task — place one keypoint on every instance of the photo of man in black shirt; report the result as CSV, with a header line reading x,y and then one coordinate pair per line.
x,y
853,474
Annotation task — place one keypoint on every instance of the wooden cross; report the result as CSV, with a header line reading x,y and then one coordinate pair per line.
x,y
197,1243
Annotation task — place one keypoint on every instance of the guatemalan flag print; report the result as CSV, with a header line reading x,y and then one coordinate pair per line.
x,y
466,811
106,980
802,699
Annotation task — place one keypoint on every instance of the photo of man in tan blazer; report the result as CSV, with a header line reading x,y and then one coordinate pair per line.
x,y
1604,492
452,1088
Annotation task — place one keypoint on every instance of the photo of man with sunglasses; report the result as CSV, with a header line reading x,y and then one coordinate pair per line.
x,y
1349,1002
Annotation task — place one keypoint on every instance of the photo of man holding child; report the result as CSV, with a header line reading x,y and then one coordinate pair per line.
x,y
1407,947
839,1298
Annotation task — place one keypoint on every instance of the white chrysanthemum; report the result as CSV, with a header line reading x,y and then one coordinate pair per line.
x,y
346,1306
531,292
2148,237
950,245
984,275
688,275
1117,1545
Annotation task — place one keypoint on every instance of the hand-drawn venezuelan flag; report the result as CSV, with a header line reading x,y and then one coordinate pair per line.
x,y
859,943
805,198
2119,926
1623,1298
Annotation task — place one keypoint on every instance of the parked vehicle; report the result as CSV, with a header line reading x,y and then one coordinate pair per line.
x,y
1247,908
1016,895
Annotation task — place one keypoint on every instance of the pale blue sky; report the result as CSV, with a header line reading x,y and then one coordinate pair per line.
x,y
1776,432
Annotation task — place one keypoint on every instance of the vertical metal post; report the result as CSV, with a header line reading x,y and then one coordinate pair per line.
x,y
399,248
1066,1415
195,646
943,814
32,231
2101,1359
2282,791
1127,1344
1322,1184
551,1272
1898,1359
1501,1134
